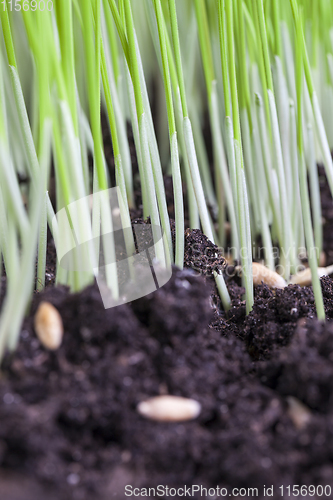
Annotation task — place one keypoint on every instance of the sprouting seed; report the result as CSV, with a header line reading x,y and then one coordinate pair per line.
x,y
169,409
261,274
48,326
303,278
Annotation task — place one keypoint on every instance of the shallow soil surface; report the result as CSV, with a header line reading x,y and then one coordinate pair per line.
x,y
69,425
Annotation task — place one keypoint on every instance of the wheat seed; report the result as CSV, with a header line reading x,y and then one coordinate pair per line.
x,y
48,326
261,274
304,278
298,412
169,409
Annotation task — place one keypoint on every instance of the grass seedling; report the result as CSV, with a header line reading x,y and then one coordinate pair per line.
x,y
302,176
177,182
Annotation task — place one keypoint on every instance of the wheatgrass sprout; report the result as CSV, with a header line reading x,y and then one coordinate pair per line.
x,y
235,152
221,170
175,165
192,204
191,152
322,137
302,175
246,85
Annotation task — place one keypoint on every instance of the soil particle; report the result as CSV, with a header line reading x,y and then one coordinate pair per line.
x,y
327,289
201,254
305,368
166,314
327,214
272,321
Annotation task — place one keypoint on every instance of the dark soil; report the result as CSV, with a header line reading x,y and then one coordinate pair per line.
x,y
327,213
69,426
